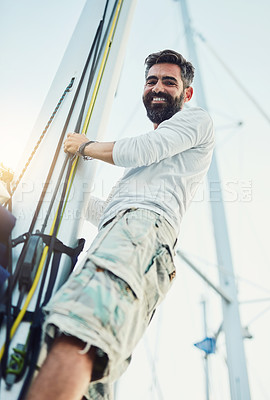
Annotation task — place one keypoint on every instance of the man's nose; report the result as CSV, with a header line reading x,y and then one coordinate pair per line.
x,y
158,87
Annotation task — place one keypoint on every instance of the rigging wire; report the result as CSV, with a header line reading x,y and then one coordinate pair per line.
x,y
68,88
234,77
255,300
237,276
258,316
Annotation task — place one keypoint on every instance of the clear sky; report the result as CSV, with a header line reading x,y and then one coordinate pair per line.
x,y
34,36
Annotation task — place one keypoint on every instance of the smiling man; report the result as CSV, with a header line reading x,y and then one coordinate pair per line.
x,y
164,92
96,319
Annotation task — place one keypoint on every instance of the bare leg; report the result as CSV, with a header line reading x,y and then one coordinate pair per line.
x,y
66,373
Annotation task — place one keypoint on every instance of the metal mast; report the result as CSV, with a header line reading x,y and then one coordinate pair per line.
x,y
239,385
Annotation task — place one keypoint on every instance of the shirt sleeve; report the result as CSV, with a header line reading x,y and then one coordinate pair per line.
x,y
94,210
96,206
188,128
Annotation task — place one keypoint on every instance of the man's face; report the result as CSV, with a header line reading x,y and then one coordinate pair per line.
x,y
164,93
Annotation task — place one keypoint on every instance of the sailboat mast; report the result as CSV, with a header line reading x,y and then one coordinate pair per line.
x,y
44,167
239,385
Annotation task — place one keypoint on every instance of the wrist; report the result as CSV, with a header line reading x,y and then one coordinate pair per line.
x,y
81,150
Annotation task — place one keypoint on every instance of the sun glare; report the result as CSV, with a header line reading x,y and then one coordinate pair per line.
x,y
11,150
9,157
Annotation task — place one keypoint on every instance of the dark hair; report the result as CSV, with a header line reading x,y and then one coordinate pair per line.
x,y
172,57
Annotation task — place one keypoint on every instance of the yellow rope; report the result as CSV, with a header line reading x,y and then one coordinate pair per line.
x,y
102,67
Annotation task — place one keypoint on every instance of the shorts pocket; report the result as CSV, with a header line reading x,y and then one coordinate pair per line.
x,y
158,277
137,228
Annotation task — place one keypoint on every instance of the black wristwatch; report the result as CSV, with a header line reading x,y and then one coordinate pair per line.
x,y
80,151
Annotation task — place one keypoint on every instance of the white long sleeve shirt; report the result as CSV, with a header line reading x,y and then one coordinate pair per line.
x,y
163,167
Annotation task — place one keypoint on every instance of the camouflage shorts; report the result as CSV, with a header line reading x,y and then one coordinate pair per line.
x,y
109,300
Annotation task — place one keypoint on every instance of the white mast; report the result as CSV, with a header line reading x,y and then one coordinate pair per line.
x,y
29,189
239,385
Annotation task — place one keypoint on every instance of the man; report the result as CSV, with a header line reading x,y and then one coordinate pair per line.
x,y
96,319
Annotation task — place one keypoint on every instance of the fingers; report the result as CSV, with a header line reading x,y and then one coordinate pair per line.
x,y
73,141
70,143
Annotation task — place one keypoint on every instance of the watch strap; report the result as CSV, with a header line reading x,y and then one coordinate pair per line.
x,y
80,151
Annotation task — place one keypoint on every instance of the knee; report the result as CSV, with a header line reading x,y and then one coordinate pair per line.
x,y
71,347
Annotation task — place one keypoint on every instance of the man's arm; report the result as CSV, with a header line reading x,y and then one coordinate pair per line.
x,y
186,129
100,151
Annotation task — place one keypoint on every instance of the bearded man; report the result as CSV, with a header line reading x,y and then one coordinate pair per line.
x,y
96,319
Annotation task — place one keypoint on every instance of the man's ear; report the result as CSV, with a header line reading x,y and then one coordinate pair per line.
x,y
188,94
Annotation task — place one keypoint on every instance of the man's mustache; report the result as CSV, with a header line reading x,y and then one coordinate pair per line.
x,y
150,96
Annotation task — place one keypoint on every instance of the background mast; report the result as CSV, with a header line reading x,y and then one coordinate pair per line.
x,y
239,385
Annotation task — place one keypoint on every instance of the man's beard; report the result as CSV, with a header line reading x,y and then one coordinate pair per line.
x,y
159,112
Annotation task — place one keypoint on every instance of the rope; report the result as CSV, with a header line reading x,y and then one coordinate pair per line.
x,y
95,92
42,136
102,67
72,107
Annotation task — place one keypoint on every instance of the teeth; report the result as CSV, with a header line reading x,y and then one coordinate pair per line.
x,y
158,99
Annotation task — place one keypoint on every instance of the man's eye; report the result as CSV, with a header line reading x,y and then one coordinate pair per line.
x,y
151,83
169,83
